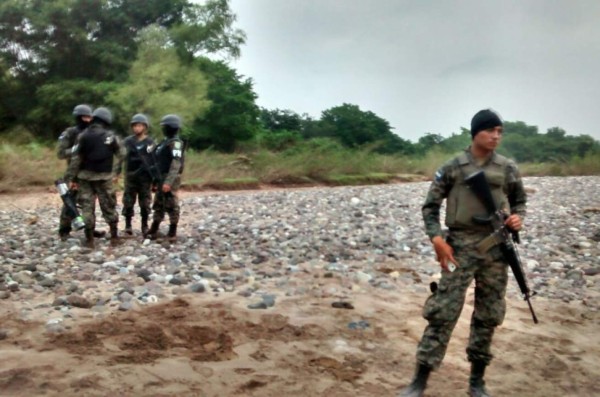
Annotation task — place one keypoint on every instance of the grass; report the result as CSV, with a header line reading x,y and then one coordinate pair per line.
x,y
32,165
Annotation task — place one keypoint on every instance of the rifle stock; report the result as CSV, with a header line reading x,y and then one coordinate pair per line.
x,y
506,238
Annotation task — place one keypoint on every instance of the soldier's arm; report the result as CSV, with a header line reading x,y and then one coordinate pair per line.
x,y
74,165
438,191
64,146
120,153
177,151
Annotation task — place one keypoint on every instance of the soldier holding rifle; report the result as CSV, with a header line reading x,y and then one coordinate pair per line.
x,y
460,255
138,176
64,151
94,168
168,157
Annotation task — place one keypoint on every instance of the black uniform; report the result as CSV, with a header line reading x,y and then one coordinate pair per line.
x,y
138,181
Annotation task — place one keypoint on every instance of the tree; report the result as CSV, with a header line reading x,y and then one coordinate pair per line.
x,y
159,83
519,127
352,126
355,128
277,120
556,133
207,29
72,43
428,142
233,115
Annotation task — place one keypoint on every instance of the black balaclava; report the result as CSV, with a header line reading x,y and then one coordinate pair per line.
x,y
169,131
82,125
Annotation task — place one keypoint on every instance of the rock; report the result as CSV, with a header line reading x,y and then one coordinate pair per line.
x,y
79,301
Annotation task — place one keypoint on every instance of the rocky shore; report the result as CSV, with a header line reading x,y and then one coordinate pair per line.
x,y
254,244
296,292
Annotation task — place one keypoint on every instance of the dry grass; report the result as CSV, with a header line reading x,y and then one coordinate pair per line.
x,y
24,166
31,165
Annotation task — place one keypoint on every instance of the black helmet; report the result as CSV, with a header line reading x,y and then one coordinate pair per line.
x,y
103,114
140,118
82,110
171,120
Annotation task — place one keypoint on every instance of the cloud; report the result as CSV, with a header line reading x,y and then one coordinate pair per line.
x,y
427,66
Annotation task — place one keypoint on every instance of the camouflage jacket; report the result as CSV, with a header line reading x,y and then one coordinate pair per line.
x,y
461,205
66,141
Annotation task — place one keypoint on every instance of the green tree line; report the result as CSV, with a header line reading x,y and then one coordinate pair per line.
x,y
171,56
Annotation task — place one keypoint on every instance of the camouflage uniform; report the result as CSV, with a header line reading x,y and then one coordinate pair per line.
x,y
169,156
64,150
92,182
138,182
442,309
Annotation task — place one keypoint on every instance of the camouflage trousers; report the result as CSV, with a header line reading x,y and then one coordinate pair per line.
x,y
167,203
107,198
66,216
140,189
442,309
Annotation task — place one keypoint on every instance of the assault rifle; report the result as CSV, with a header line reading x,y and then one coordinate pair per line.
x,y
501,236
151,166
67,198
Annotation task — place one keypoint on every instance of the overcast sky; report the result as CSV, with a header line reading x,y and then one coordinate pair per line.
x,y
428,66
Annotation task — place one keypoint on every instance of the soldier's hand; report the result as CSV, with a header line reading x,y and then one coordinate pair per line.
x,y
514,222
443,252
166,188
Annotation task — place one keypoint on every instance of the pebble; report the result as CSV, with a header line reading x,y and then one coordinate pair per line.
x,y
326,242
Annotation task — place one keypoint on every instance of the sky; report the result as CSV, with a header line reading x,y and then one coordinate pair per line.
x,y
427,66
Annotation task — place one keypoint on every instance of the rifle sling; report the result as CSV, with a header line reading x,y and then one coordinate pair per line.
x,y
490,241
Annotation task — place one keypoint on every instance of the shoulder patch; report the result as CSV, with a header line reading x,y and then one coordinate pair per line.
x,y
439,174
177,145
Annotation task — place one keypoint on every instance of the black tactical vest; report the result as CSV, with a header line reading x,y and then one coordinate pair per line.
x,y
138,158
97,147
164,153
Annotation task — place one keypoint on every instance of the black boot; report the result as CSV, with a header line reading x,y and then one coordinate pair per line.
x,y
153,232
419,382
128,229
114,234
172,235
144,224
89,238
64,232
99,233
476,382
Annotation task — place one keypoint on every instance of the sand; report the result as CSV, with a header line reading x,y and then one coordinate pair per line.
x,y
206,345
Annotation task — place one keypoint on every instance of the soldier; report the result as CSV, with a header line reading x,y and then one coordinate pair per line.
x,y
66,141
138,179
169,158
458,251
94,168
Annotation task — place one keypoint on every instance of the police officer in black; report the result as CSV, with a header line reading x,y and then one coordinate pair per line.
x,y
93,170
168,155
138,175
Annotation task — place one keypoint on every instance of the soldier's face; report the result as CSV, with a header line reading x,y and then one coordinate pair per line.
x,y
86,119
138,128
488,139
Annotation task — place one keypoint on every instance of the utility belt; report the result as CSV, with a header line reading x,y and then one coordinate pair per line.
x,y
486,237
